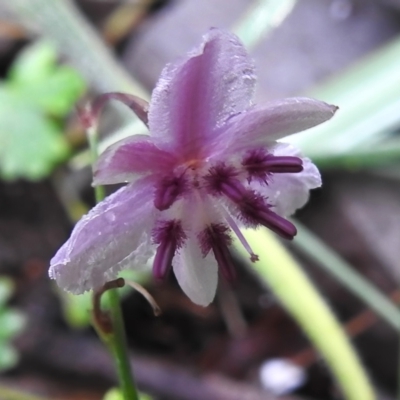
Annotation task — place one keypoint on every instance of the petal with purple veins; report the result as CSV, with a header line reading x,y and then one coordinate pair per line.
x,y
115,234
129,159
262,125
197,275
198,94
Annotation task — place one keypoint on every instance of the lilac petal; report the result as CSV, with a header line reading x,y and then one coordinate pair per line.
x,y
130,158
262,125
197,275
115,234
288,192
196,95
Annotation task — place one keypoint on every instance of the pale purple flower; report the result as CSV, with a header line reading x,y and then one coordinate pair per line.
x,y
210,164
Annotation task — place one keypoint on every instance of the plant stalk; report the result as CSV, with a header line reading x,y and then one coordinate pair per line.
x,y
116,341
284,276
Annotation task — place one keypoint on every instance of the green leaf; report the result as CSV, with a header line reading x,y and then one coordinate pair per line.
x,y
76,308
55,94
33,64
11,323
6,289
8,356
115,394
30,144
37,91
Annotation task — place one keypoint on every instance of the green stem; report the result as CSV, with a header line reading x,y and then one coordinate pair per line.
x,y
117,344
116,341
298,295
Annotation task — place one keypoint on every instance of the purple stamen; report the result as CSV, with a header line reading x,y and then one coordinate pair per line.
x,y
277,224
253,257
167,191
170,237
221,180
255,210
216,238
259,164
162,261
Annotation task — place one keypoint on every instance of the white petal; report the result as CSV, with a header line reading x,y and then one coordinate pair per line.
x,y
115,234
288,192
197,276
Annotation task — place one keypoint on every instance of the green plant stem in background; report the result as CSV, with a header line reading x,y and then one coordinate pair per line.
x,y
61,22
368,99
262,17
315,249
284,276
376,155
99,192
116,340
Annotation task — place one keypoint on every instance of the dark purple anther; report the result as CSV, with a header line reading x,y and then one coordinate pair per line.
x,y
162,261
259,164
277,224
216,238
256,211
169,236
167,191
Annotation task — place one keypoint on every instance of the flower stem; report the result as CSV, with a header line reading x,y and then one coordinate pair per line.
x,y
116,341
298,295
117,344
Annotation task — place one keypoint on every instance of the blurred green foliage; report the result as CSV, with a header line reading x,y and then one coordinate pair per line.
x,y
34,99
11,323
115,394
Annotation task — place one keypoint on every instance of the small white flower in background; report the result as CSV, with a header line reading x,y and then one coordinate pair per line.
x,y
280,376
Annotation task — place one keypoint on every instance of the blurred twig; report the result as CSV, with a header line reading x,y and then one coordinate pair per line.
x,y
125,18
61,22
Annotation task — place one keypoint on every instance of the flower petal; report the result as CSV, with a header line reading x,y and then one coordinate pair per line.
x,y
112,236
262,125
197,275
195,96
130,158
288,192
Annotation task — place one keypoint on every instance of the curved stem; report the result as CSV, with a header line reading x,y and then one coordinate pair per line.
x,y
299,296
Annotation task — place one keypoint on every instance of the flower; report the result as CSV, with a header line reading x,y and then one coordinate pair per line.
x,y
210,164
